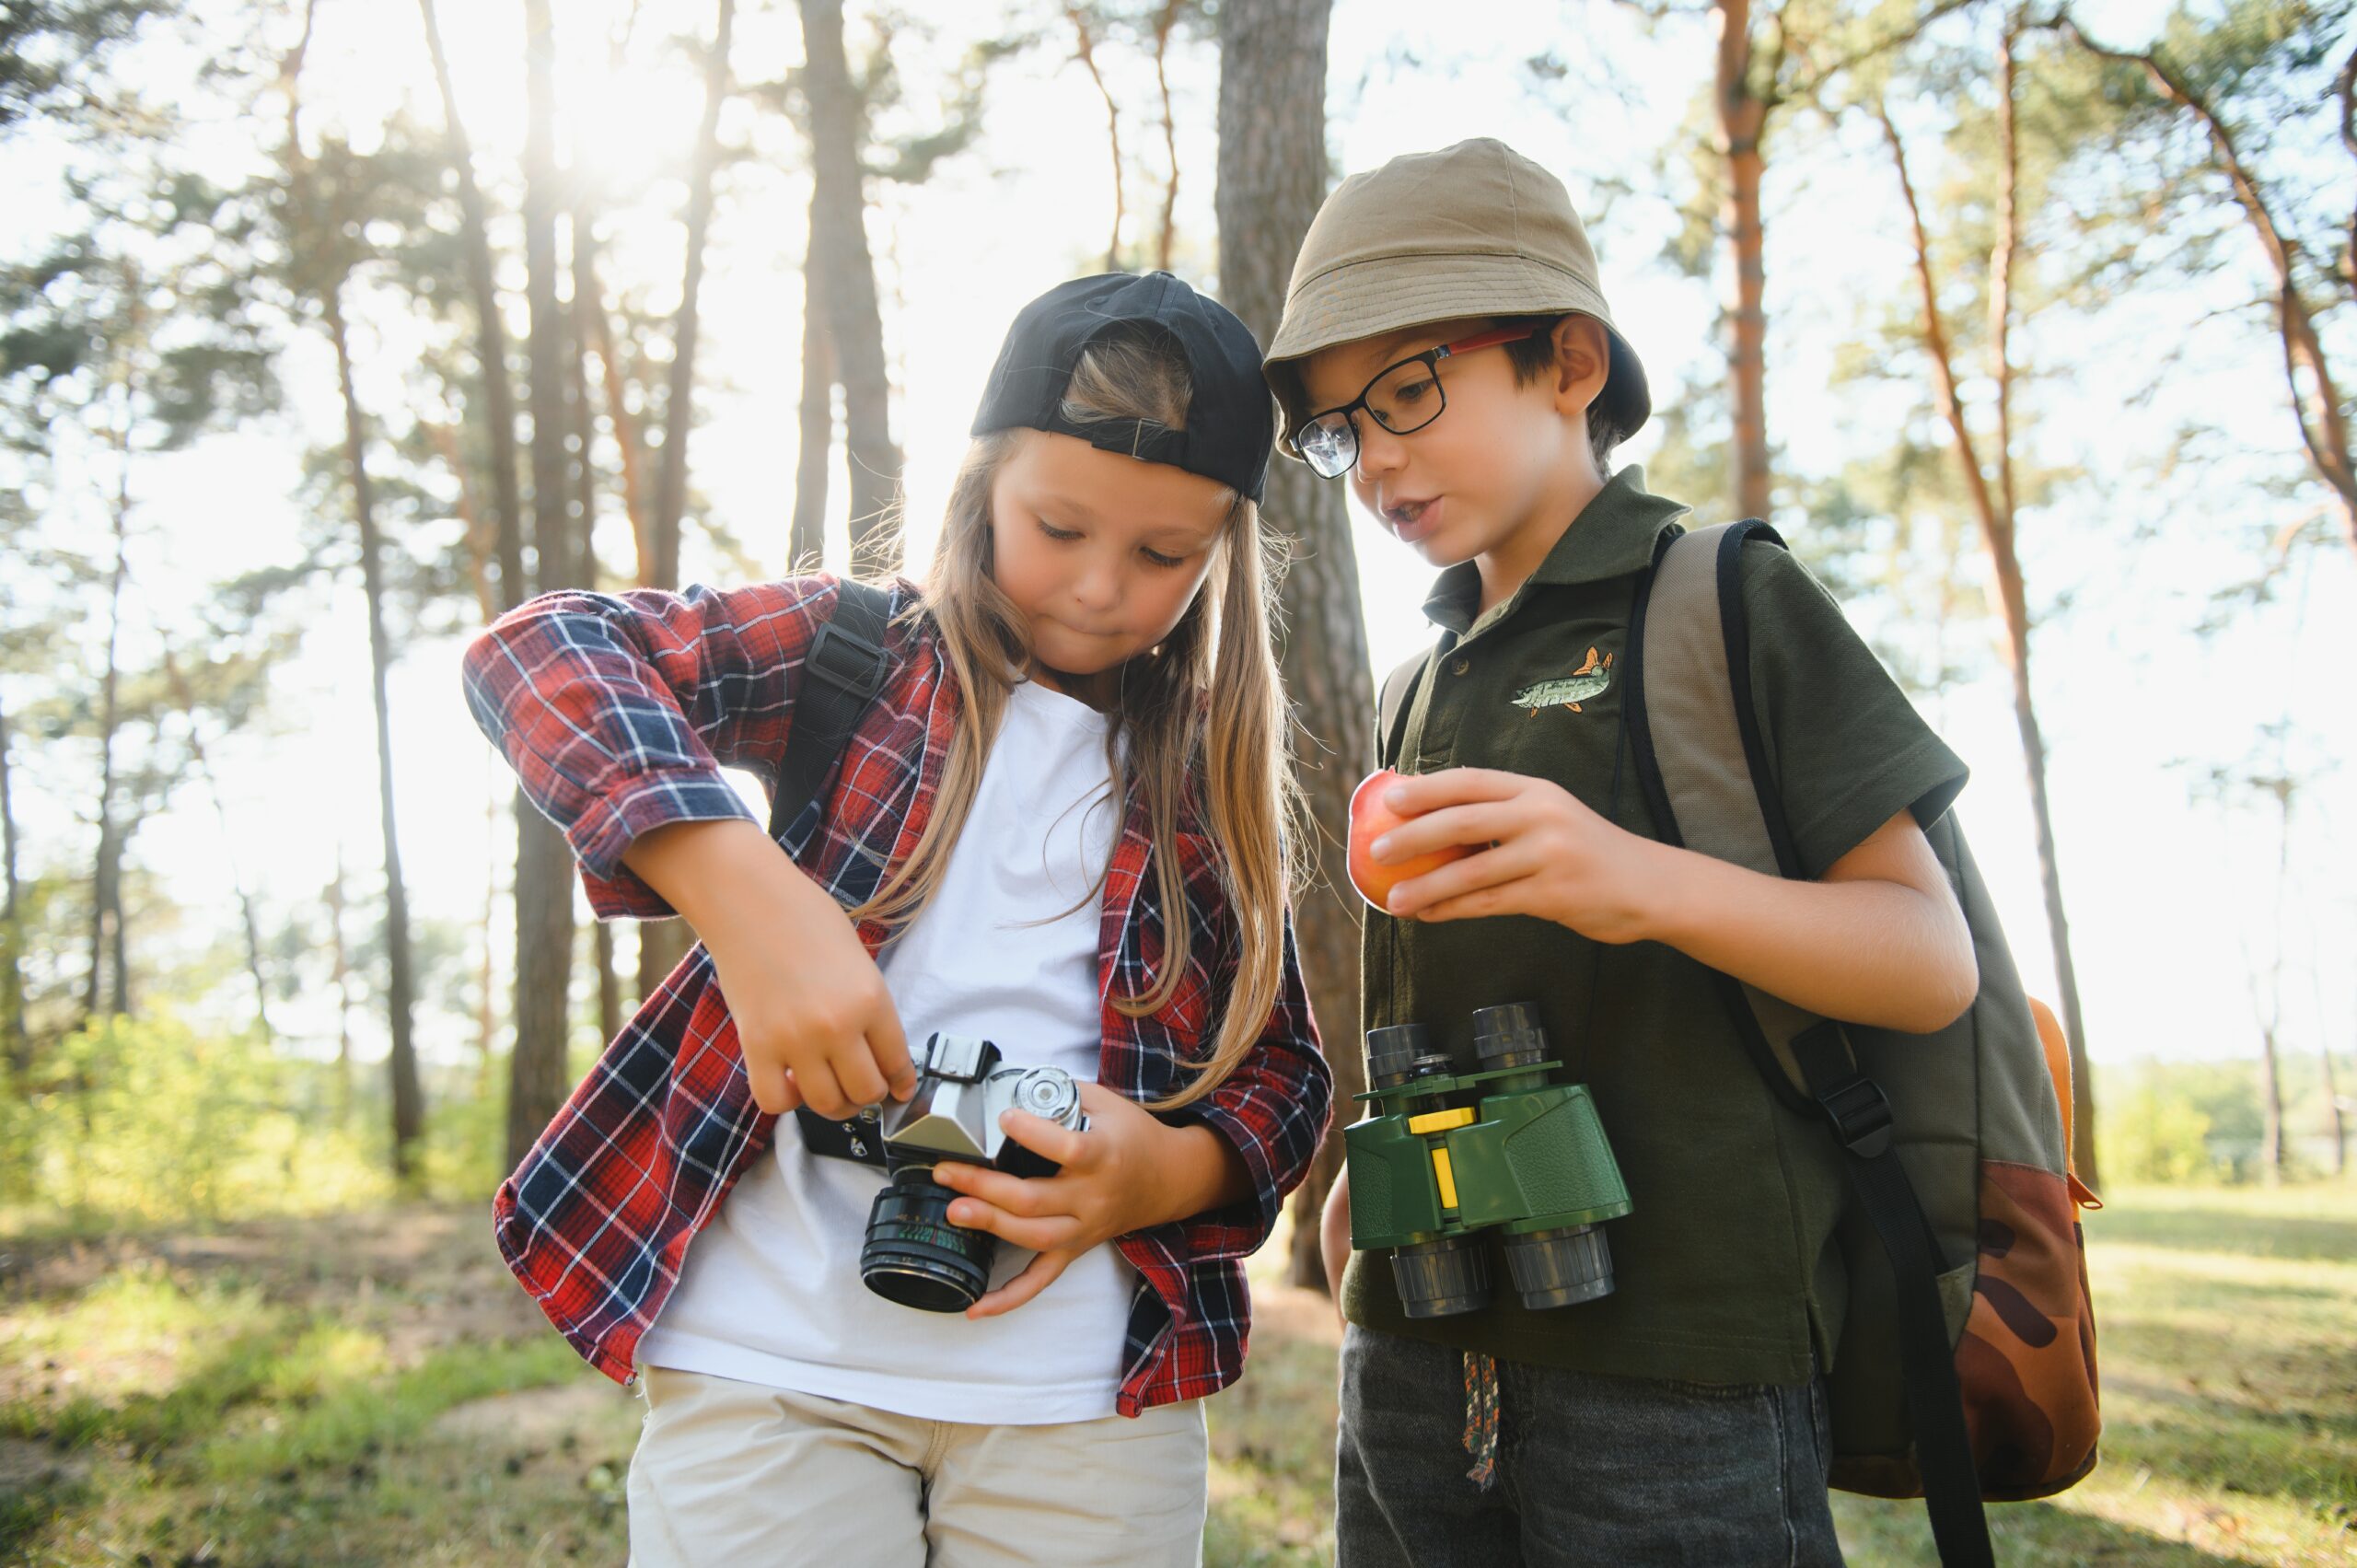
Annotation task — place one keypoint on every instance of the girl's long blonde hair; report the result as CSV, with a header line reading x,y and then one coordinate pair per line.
x,y
1208,699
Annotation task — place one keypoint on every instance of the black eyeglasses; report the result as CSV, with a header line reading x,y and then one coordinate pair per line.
x,y
1403,398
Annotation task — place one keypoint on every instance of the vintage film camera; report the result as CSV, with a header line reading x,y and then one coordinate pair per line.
x,y
1444,1159
913,1254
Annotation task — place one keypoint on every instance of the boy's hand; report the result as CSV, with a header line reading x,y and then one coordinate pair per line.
x,y
1116,1178
1549,855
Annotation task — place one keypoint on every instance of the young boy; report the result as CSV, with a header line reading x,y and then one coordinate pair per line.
x,y
1445,346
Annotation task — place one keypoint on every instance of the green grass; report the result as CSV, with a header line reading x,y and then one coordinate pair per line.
x,y
371,1391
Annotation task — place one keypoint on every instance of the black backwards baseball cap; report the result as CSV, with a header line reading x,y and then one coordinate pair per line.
x,y
1230,422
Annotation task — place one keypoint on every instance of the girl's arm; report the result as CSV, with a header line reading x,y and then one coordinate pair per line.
x,y
617,711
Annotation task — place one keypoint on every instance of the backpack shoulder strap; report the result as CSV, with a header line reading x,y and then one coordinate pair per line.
x,y
841,675
1398,696
1700,759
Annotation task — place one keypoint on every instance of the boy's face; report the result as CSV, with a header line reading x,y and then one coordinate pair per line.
x,y
1101,552
1501,456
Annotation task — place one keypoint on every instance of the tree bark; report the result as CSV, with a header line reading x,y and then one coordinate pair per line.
x,y
1742,120
1086,54
855,321
14,1040
2004,560
490,336
106,882
537,1078
2335,1127
340,959
186,700
1166,236
1271,179
806,537
671,486
409,1103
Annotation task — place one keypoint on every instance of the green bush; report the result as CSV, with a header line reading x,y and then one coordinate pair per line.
x,y
2157,1133
148,1121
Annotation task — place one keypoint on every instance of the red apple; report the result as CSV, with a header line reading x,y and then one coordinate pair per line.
x,y
1370,819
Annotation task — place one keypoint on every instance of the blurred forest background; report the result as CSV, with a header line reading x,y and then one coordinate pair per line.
x,y
330,329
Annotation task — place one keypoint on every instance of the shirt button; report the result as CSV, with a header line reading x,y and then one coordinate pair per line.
x,y
1463,666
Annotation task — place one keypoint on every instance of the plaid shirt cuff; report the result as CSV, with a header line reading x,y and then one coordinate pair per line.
x,y
617,816
1237,1230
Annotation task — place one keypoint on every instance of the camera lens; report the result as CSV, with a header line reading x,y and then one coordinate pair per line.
x,y
915,1256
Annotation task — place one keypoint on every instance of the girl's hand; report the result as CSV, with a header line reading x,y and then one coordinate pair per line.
x,y
1546,854
1128,1172
814,1022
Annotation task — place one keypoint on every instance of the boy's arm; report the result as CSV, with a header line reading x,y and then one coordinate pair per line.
x,y
1879,940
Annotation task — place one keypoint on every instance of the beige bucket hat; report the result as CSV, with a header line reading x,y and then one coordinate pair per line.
x,y
1476,229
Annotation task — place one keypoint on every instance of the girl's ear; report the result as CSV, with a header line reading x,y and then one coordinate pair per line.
x,y
1583,363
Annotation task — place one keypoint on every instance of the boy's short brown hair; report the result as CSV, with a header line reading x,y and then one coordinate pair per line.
x,y
1472,230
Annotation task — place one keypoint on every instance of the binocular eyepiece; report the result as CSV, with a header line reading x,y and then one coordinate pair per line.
x,y
1443,1157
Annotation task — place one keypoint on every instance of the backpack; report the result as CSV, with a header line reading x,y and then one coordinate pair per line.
x,y
1966,1363
841,676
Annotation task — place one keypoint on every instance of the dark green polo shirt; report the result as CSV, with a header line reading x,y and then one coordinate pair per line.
x,y
1726,1270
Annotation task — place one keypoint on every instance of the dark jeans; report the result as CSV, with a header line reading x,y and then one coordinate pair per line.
x,y
1590,1469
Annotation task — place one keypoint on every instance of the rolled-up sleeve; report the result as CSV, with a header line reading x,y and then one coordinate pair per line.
x,y
618,712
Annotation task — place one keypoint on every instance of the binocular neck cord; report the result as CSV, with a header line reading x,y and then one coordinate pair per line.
x,y
1481,1370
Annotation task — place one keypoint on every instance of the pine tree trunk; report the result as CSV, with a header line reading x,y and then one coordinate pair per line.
x,y
491,337
2005,563
341,975
409,1103
1742,118
13,1040
856,323
106,882
2335,1127
536,1079
671,487
806,536
1271,179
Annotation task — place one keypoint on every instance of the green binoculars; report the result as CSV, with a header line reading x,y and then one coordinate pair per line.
x,y
1443,1156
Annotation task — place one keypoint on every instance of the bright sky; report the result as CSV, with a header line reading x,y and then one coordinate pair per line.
x,y
2170,897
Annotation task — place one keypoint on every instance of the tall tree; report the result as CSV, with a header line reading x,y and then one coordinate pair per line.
x,y
2234,78
537,1077
328,209
1272,180
107,935
1992,489
671,487
490,333
846,270
16,1045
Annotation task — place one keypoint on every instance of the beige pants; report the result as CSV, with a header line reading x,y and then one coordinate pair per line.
x,y
737,1475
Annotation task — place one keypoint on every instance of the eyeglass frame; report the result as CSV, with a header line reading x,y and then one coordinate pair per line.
x,y
1497,337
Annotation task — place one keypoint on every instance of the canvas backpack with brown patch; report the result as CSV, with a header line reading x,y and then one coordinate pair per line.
x,y
1965,1368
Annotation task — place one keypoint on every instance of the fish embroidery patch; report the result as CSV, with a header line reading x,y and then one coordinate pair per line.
x,y
1582,685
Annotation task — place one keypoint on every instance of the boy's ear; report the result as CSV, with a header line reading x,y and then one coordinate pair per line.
x,y
1583,363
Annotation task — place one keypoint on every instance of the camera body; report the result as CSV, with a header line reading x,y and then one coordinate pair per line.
x,y
913,1254
1444,1159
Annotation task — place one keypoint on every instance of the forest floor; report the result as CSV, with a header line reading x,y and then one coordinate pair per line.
x,y
371,1388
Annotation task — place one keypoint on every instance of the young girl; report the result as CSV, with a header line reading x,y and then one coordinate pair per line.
x,y
1059,827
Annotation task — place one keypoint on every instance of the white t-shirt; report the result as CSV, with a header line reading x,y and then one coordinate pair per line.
x,y
770,1291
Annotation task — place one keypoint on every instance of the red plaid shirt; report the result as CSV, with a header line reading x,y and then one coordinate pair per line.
x,y
618,712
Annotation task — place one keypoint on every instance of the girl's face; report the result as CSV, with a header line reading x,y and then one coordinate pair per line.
x,y
1101,553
